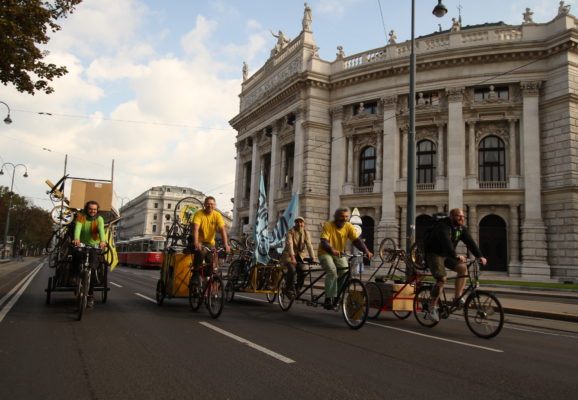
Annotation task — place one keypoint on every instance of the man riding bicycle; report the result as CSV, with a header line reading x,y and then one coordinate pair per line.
x,y
331,247
205,225
89,230
440,248
293,257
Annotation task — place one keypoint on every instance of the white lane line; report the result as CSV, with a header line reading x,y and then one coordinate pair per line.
x,y
251,298
541,332
23,285
15,288
437,338
255,346
115,284
146,297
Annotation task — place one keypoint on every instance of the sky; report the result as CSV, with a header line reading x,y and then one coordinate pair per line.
x,y
152,84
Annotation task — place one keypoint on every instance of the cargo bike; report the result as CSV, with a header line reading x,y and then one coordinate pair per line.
x,y
71,265
351,300
176,271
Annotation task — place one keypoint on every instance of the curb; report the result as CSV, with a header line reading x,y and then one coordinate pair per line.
x,y
541,314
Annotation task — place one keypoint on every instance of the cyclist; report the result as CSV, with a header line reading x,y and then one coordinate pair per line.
x,y
89,230
205,225
440,248
296,241
331,247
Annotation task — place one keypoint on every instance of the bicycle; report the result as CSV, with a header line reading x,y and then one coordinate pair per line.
x,y
86,273
483,312
207,289
351,297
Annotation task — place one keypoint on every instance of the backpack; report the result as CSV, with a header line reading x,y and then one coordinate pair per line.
x,y
434,221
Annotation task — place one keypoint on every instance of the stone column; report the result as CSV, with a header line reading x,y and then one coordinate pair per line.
x,y
338,153
440,153
255,170
534,244
236,226
456,148
274,176
282,172
404,133
472,176
473,222
514,242
513,173
299,158
348,187
388,224
378,162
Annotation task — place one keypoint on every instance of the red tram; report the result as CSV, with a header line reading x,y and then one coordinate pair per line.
x,y
143,252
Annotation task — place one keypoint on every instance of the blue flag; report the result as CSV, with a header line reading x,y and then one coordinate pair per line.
x,y
277,237
261,225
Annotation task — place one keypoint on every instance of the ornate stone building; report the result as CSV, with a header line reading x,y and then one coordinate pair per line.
x,y
495,130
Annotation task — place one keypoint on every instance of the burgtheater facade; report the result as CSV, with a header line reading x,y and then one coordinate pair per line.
x,y
495,133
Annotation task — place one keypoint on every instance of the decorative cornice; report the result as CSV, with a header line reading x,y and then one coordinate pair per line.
x,y
389,102
336,113
455,93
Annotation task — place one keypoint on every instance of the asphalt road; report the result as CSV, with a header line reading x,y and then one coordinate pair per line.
x,y
130,348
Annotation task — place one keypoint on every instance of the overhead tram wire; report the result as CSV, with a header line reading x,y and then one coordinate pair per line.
x,y
382,20
402,112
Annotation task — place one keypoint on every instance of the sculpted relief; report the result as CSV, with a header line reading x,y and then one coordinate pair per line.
x,y
272,82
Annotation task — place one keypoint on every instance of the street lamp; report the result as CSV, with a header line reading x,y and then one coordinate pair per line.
x,y
10,199
122,199
439,11
7,120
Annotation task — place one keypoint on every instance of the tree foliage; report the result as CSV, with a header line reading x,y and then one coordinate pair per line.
x,y
28,223
24,26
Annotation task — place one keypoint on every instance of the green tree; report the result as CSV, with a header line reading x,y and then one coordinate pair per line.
x,y
28,223
24,26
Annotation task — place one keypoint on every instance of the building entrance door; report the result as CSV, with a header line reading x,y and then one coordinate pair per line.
x,y
494,242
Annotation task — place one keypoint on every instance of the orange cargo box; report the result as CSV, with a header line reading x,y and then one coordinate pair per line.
x,y
397,296
181,275
83,191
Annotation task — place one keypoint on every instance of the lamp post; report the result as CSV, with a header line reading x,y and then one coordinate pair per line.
x,y
439,11
10,199
122,199
7,120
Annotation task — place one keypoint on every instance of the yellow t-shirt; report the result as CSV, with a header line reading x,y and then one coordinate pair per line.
x,y
337,237
208,225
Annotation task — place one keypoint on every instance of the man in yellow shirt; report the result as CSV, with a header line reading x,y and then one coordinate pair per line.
x,y
205,225
331,247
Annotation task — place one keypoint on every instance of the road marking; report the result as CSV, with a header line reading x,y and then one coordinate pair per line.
x,y
23,284
437,338
115,284
251,298
15,288
146,297
255,346
543,333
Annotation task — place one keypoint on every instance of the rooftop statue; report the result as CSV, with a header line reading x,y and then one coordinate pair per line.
x,y
340,53
282,41
307,18
563,9
528,17
392,37
456,25
245,71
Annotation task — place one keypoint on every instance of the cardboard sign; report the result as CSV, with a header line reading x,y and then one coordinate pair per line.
x,y
83,191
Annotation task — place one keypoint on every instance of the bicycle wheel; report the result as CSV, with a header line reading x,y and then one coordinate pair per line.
x,y
49,290
401,314
417,256
84,283
375,300
250,243
235,246
484,314
354,303
160,292
195,295
232,279
185,209
104,280
421,307
284,301
387,250
215,299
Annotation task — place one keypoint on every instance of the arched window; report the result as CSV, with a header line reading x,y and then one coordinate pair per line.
x,y
367,166
492,160
426,159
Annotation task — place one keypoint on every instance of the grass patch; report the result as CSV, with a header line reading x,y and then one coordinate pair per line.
x,y
532,284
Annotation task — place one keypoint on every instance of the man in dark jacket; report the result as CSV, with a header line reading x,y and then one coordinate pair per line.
x,y
440,249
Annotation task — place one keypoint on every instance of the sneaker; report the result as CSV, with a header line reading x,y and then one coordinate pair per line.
x,y
328,305
90,302
459,303
434,315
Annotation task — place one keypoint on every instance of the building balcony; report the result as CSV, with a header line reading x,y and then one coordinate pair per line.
x,y
425,186
493,184
362,189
